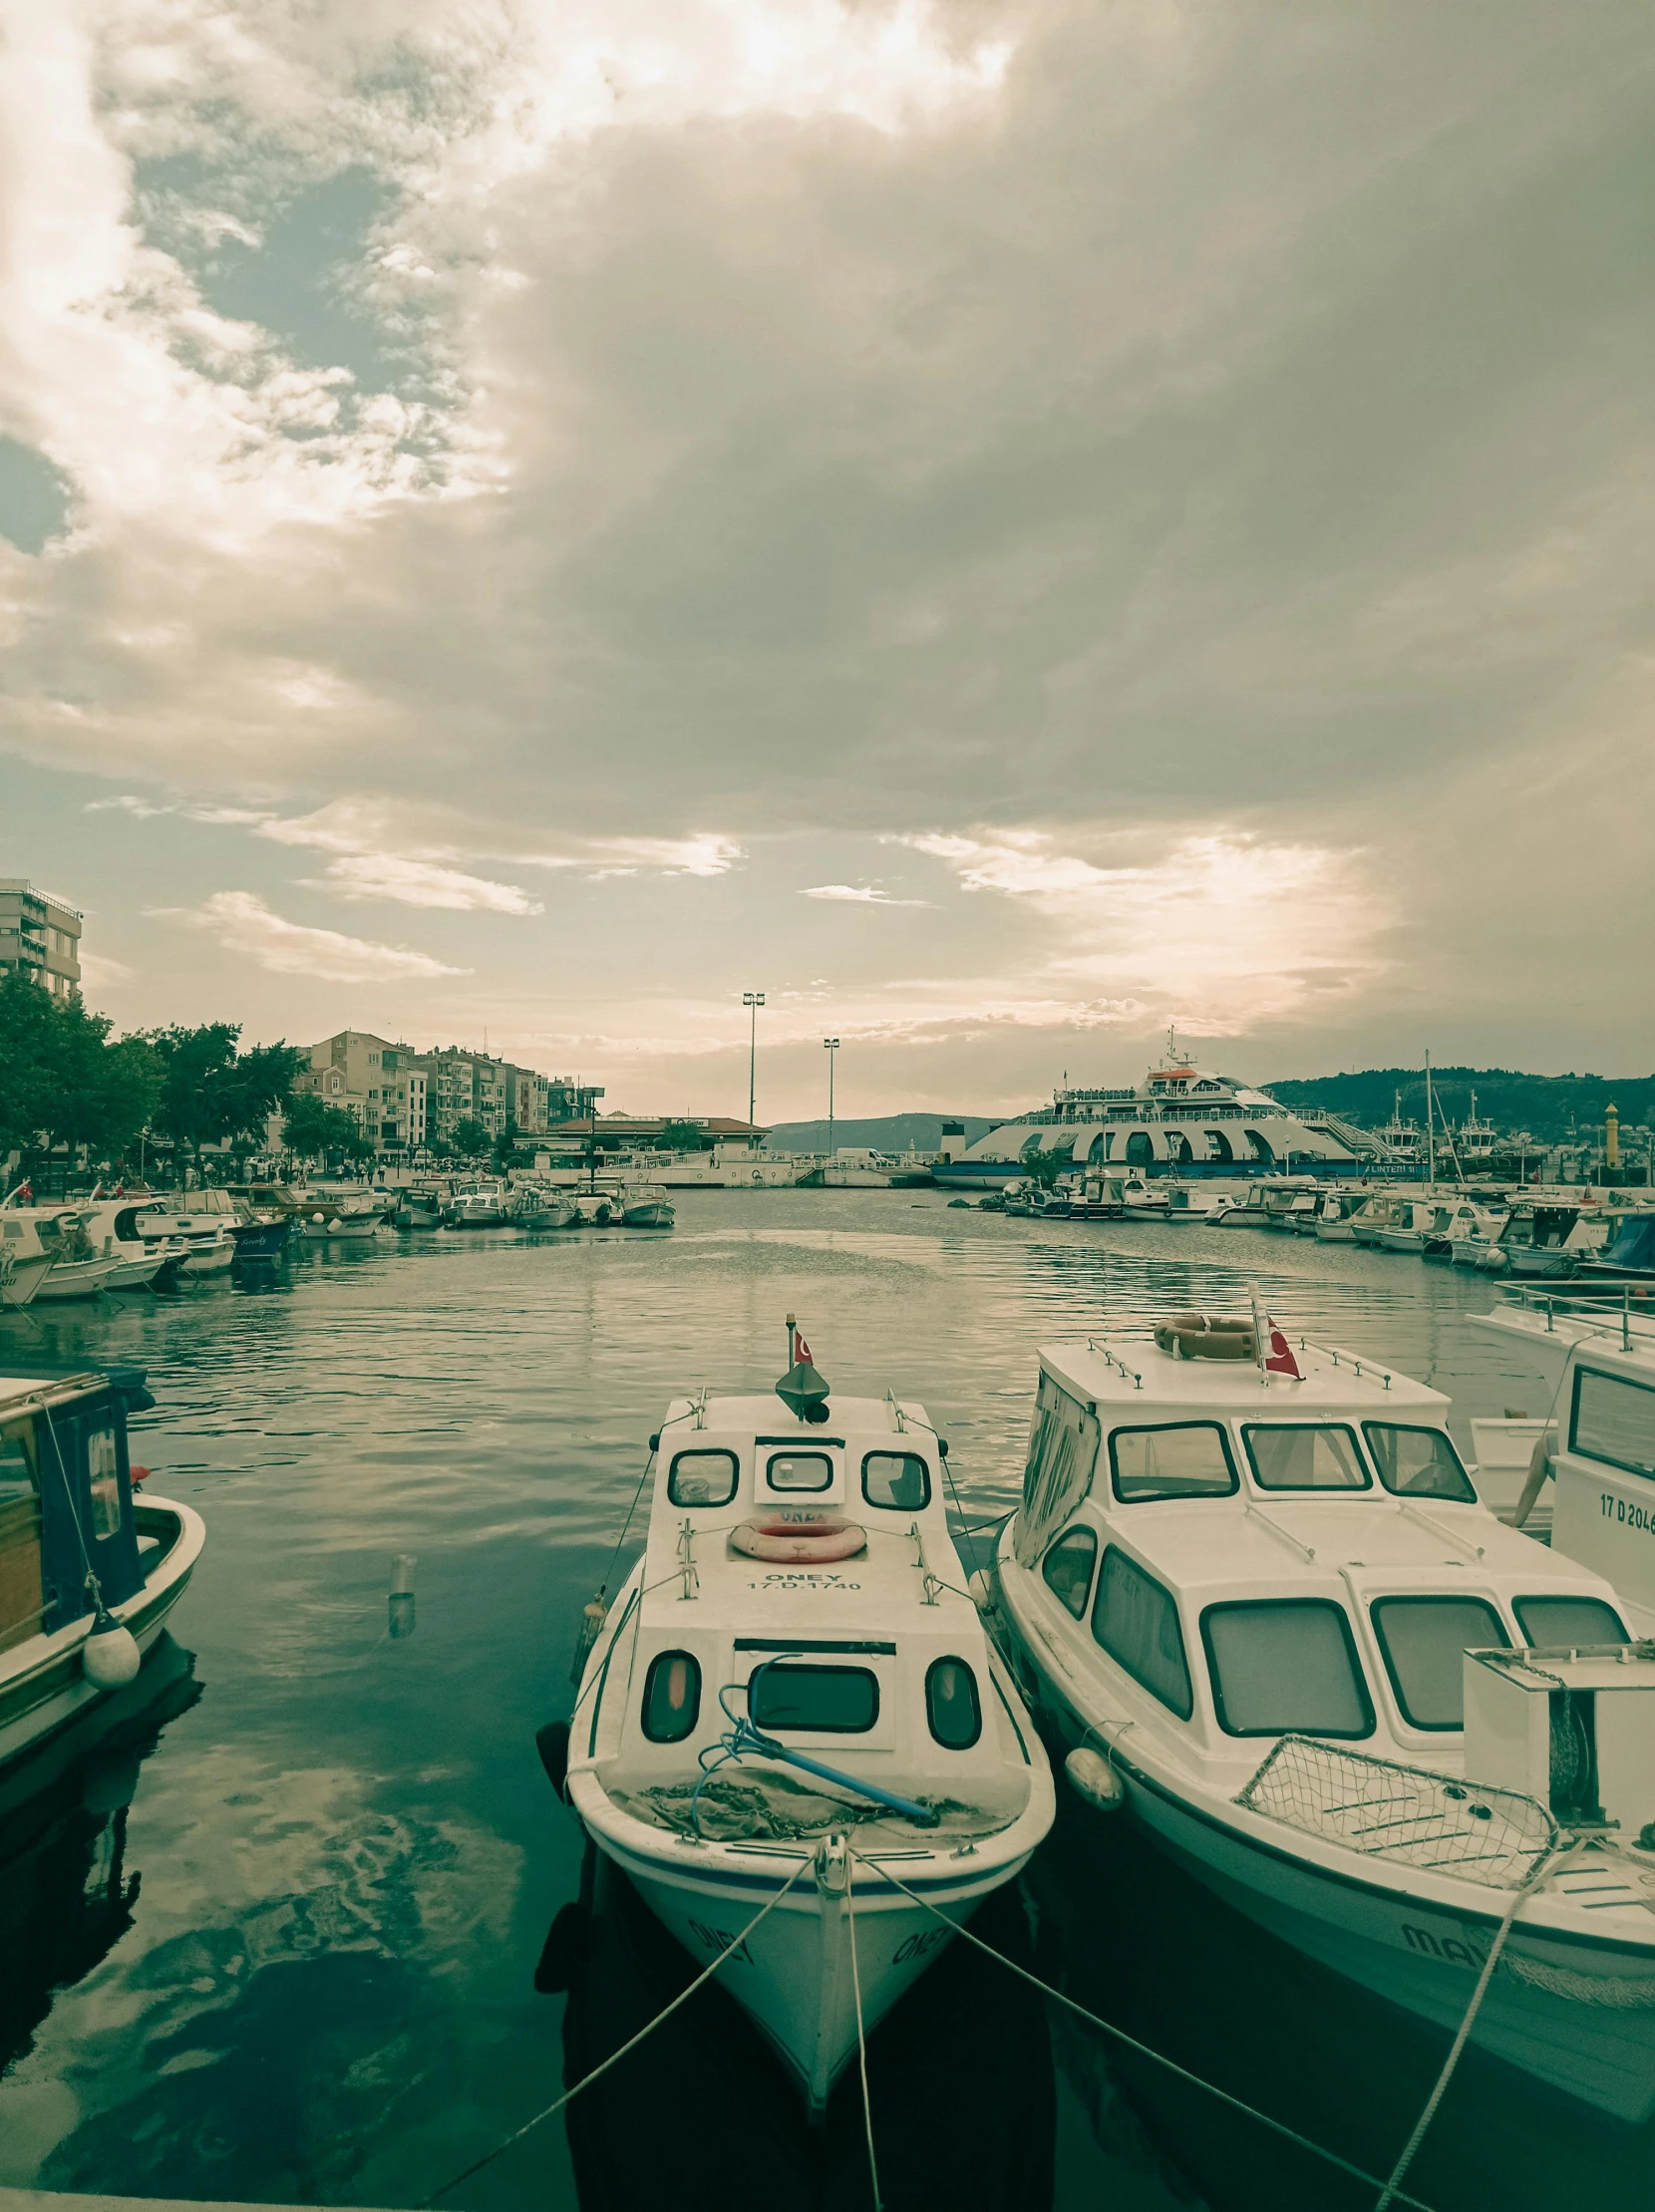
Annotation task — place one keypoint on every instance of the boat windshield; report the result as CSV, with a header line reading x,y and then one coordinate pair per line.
x,y
1424,1641
1418,1462
1305,1455
1569,1619
1285,1666
1184,1460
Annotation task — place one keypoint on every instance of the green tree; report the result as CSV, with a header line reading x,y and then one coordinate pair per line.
x,y
684,1136
313,1130
470,1139
210,1092
506,1147
61,1080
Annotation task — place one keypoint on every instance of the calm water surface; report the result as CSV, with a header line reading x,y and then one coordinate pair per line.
x,y
273,1936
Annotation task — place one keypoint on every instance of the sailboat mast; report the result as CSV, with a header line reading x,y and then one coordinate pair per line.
x,y
1429,1125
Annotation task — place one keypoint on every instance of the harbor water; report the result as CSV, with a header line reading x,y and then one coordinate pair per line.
x,y
271,1931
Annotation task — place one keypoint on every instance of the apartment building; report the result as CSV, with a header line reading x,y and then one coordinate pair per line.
x,y
372,1078
405,1099
40,935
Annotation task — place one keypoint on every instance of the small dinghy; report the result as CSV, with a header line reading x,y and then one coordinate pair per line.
x,y
793,1703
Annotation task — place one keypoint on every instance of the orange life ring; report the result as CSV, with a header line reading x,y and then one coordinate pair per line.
x,y
1206,1336
800,1543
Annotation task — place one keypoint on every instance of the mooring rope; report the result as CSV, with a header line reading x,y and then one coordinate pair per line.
x,y
616,2056
1389,2195
1279,2127
861,2035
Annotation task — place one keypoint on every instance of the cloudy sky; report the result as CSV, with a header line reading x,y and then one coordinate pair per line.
x,y
1001,524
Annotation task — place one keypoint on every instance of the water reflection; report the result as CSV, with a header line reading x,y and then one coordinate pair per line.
x,y
961,2090
67,1894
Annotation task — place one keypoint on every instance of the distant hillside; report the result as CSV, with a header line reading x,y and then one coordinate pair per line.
x,y
1548,1106
888,1132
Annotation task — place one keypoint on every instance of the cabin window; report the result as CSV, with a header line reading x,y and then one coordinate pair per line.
x,y
952,1706
1068,1569
1569,1621
832,1701
1136,1620
1308,1456
1424,1641
17,1461
672,1697
702,1478
898,1479
1285,1665
105,1482
800,1471
1614,1422
1190,1459
1418,1462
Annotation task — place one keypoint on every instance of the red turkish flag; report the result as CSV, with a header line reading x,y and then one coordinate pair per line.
x,y
1279,1358
801,1351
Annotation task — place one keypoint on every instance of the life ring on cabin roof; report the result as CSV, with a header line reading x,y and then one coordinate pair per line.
x,y
1206,1336
800,1543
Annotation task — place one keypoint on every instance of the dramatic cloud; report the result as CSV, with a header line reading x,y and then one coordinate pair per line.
x,y
1180,476
244,924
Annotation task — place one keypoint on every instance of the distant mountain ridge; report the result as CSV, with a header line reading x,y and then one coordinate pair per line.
x,y
1546,1105
885,1133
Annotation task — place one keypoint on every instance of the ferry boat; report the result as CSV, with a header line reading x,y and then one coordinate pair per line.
x,y
89,1570
1181,1119
793,1691
1266,1609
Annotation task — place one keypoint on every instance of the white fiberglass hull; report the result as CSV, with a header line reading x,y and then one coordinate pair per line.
x,y
1580,2016
793,1975
337,1232
1335,1232
1402,1240
43,1683
210,1259
21,1283
68,1279
134,1274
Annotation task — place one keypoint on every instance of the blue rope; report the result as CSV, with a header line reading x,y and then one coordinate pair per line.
x,y
743,1741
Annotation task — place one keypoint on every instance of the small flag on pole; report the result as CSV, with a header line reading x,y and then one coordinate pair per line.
x,y
801,1351
1275,1354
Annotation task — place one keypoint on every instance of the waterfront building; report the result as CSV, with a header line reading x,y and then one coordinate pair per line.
x,y
368,1077
403,1099
40,935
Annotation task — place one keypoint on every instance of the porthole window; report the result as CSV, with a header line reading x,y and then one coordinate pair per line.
x,y
672,1697
899,1479
702,1478
800,1471
952,1706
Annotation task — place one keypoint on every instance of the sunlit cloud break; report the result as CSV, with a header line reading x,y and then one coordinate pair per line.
x,y
387,875
858,895
244,923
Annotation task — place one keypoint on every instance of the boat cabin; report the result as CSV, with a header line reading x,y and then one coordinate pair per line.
x,y
1219,1555
66,1503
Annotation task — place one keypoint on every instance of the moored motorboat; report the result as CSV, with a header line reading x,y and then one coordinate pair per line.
x,y
646,1206
262,1238
113,1231
89,1572
535,1208
1331,1685
793,1703
483,1206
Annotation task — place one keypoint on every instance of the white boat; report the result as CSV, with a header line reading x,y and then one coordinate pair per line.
x,y
646,1206
75,1538
1464,1229
535,1208
485,1206
76,1271
113,1232
794,1692
1322,1675
1336,1214
201,1221
24,1259
1184,1208
1411,1222
1544,1236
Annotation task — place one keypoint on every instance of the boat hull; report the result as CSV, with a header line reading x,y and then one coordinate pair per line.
x,y
1335,1232
209,1259
339,1232
74,1279
20,1283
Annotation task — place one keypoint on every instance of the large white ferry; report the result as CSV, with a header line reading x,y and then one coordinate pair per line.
x,y
1181,1119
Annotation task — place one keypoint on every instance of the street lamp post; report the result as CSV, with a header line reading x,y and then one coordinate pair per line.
x,y
830,1045
752,1000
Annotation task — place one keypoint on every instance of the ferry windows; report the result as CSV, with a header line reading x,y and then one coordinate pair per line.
x,y
800,1471
672,1697
1320,1456
833,1701
105,1481
1284,1666
1418,1462
702,1478
1068,1569
899,1479
1136,1620
1423,1642
952,1706
1614,1422
1186,1459
1567,1620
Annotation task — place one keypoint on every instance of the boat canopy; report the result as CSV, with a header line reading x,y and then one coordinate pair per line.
x,y
66,1485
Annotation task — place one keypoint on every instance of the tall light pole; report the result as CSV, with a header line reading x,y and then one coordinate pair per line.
x,y
752,1000
830,1045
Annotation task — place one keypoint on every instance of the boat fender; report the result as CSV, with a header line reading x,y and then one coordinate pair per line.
x,y
1093,1779
138,1477
1539,1467
553,1744
316,1217
110,1655
1206,1336
593,1614
800,1543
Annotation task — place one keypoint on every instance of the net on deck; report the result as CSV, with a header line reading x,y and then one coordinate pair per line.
x,y
754,1806
1401,1813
